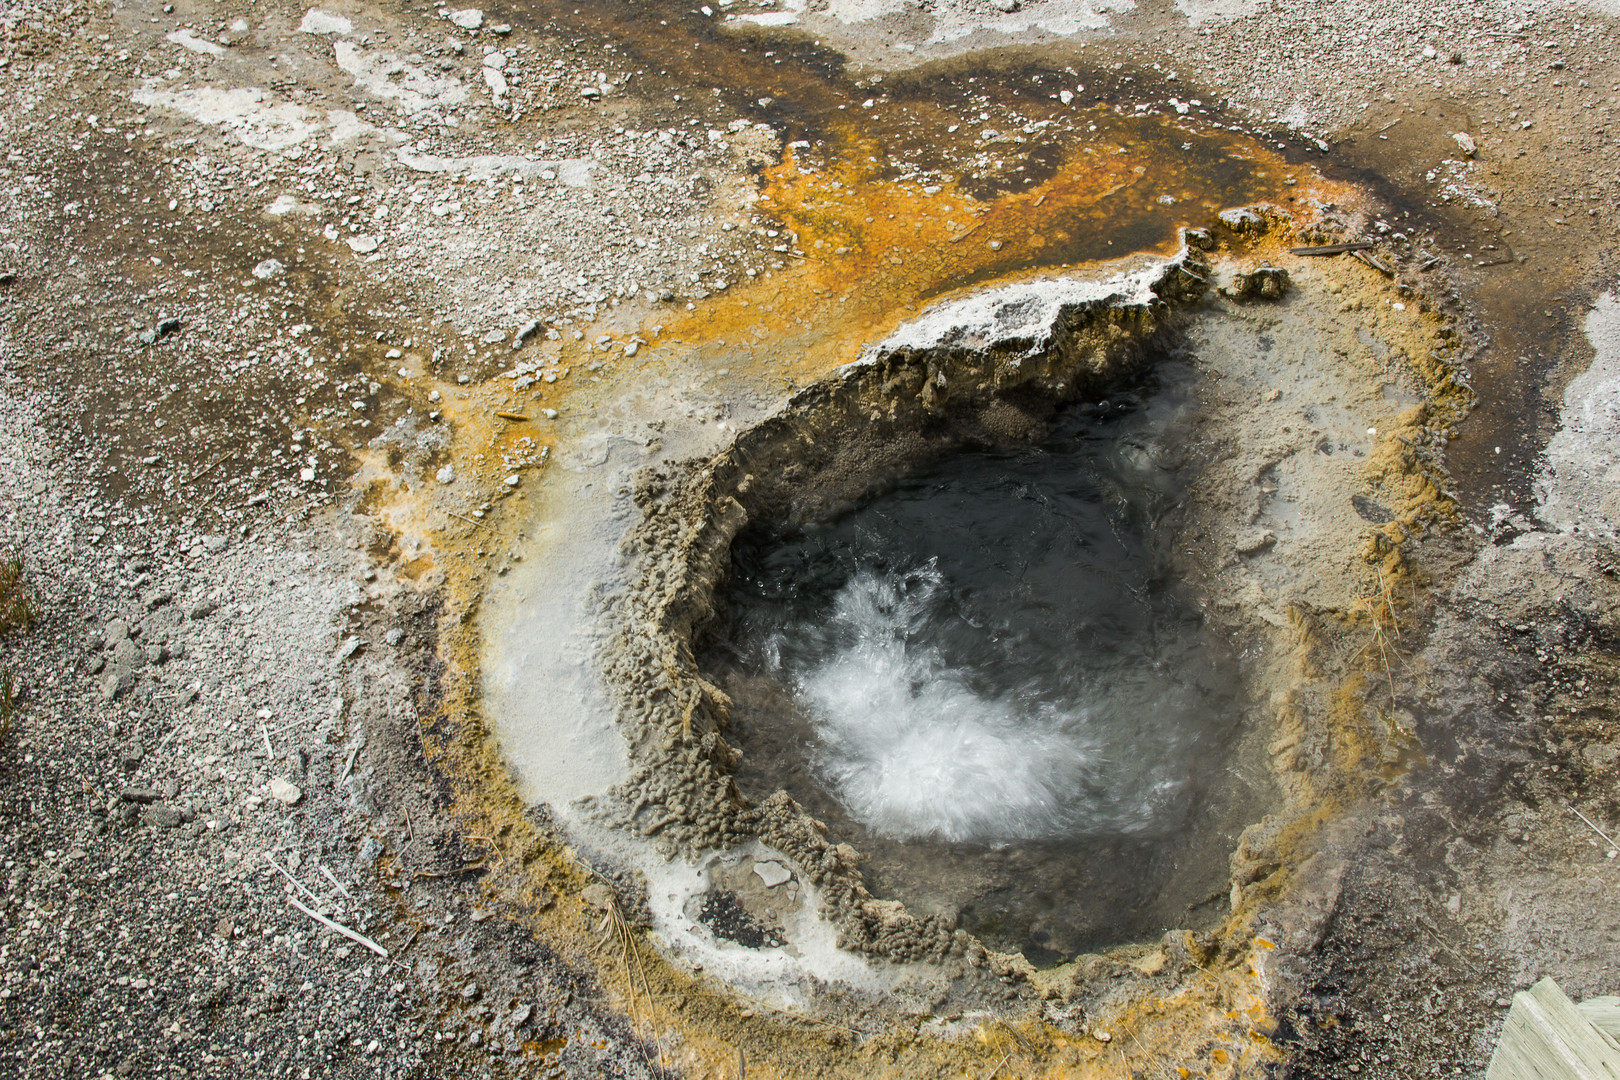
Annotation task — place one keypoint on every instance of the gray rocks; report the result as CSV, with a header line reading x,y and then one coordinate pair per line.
x,y
163,817
117,682
157,333
285,792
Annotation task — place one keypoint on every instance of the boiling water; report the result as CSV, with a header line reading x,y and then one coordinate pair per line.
x,y
988,679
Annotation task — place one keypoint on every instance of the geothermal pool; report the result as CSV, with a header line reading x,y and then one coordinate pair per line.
x,y
988,677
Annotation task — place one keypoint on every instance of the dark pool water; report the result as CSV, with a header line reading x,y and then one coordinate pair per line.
x,y
988,679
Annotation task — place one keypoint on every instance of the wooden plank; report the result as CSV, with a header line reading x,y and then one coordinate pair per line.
x,y
1604,1012
1547,1038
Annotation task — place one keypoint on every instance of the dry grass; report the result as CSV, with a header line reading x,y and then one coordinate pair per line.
x,y
1380,608
16,612
615,929
8,704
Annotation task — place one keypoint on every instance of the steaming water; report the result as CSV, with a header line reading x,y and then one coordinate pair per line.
x,y
990,665
917,742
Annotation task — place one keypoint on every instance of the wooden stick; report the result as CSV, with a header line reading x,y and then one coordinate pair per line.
x,y
511,416
1332,249
359,939
336,883
288,875
1595,829
967,232
216,463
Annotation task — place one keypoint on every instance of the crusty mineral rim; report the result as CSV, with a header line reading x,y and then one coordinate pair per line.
x,y
987,367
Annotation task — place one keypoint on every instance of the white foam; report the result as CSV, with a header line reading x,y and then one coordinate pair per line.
x,y
914,751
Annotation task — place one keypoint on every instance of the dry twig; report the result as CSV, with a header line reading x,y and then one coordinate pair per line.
x,y
1589,824
358,938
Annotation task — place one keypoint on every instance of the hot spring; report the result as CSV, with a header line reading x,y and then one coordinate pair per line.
x,y
989,679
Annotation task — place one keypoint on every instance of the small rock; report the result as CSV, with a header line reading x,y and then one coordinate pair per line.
x,y
1466,142
520,1015
285,792
524,334
349,647
1266,282
127,654
1242,220
394,636
513,480
467,18
141,795
269,268
317,21
363,244
115,631
203,608
163,817
772,873
131,756
163,329
117,682
446,475
214,544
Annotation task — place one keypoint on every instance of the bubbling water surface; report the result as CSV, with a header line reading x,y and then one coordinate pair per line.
x,y
991,664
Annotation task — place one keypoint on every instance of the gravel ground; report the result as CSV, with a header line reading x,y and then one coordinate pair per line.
x,y
235,253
